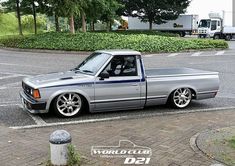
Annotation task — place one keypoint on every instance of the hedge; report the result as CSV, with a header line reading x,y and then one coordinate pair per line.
x,y
96,41
145,32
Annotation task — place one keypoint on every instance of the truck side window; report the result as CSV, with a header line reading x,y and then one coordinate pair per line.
x,y
122,66
213,25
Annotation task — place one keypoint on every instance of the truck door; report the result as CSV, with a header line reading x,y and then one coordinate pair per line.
x,y
123,87
213,28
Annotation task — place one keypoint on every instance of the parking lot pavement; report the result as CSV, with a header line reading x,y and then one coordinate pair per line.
x,y
14,66
167,136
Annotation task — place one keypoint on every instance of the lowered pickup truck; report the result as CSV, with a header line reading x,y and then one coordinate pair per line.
x,y
111,80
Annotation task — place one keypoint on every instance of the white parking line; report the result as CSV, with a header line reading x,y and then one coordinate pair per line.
x,y
220,53
148,56
37,119
4,87
14,64
10,73
11,85
196,54
9,104
120,118
10,76
173,54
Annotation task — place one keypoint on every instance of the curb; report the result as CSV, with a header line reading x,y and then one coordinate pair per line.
x,y
46,51
89,52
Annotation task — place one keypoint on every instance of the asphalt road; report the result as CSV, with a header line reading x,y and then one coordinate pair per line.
x,y
16,65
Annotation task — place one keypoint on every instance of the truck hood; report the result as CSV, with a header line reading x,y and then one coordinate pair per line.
x,y
56,79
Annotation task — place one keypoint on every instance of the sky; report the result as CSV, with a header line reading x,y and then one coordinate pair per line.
x,y
204,7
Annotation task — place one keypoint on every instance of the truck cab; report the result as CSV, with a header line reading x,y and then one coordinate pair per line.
x,y
210,28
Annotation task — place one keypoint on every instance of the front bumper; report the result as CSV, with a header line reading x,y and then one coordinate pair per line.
x,y
31,105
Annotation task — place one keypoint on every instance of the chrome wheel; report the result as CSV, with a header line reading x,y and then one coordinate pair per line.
x,y
182,97
69,104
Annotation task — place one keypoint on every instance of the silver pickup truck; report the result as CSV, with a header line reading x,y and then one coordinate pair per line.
x,y
111,80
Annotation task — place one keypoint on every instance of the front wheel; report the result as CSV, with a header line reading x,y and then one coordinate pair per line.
x,y
68,105
216,37
181,98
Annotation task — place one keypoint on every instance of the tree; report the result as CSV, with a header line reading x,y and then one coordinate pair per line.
x,y
54,8
18,16
94,11
29,7
83,5
64,8
1,9
14,5
75,7
155,11
109,13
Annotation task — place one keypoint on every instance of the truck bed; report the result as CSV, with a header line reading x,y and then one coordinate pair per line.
x,y
174,72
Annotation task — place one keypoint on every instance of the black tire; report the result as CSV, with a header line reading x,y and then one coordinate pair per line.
x,y
228,37
70,108
216,37
175,94
182,34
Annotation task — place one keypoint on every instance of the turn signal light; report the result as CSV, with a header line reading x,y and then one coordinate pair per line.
x,y
36,94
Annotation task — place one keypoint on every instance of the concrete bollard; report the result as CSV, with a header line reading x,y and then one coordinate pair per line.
x,y
59,141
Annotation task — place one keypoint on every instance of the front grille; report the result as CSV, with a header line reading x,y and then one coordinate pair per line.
x,y
202,31
26,88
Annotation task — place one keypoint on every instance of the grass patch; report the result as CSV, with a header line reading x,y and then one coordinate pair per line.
x,y
228,157
232,142
96,41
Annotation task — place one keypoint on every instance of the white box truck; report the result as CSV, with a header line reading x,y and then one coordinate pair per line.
x,y
184,24
214,28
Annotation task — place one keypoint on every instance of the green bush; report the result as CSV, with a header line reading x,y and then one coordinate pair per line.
x,y
28,23
8,24
97,41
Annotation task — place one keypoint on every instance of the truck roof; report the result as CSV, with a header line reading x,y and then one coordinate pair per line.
x,y
120,52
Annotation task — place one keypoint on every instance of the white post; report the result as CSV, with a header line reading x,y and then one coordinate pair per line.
x,y
59,141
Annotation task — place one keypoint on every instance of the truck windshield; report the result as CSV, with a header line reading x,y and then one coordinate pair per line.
x,y
93,63
204,24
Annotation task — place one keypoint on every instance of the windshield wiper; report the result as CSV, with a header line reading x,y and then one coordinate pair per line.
x,y
87,71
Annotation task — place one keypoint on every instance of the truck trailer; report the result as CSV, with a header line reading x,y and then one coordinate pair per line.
x,y
184,24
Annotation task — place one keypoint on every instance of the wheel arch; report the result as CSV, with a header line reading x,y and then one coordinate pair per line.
x,y
84,96
192,89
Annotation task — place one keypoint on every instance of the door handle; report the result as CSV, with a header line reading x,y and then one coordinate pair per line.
x,y
134,84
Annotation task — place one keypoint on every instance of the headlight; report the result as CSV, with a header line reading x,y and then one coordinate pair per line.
x,y
31,92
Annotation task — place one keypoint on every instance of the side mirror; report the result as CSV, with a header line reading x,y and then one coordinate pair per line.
x,y
104,76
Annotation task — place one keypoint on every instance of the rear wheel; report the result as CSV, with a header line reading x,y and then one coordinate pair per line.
x,y
228,37
181,98
68,105
182,34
